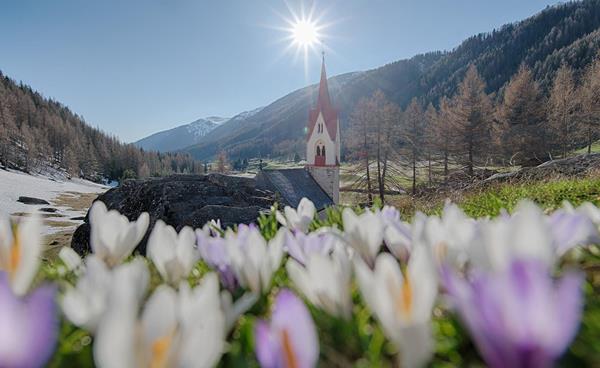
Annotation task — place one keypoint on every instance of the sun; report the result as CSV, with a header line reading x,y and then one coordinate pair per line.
x,y
305,33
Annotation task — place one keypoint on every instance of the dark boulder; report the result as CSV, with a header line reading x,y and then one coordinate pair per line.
x,y
48,210
32,200
181,200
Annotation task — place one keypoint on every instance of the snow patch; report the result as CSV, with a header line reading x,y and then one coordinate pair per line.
x,y
14,184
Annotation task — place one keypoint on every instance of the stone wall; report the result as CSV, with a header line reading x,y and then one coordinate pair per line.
x,y
329,179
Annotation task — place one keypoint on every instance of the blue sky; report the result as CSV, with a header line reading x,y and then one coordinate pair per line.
x,y
134,67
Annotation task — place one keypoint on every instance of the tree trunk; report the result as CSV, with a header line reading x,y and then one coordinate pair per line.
x,y
414,175
446,166
429,168
369,194
379,173
589,134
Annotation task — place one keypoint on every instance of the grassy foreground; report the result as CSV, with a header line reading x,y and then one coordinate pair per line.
x,y
361,342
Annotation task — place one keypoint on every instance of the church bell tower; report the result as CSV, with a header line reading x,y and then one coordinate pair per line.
x,y
323,141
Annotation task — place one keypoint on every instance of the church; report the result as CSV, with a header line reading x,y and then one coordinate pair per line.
x,y
319,180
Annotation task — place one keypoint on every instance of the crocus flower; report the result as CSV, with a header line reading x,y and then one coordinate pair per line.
x,y
28,326
300,245
325,281
571,228
85,303
253,259
363,233
448,237
397,234
70,259
529,234
290,339
184,329
213,251
112,236
402,299
20,249
591,211
518,317
174,255
297,219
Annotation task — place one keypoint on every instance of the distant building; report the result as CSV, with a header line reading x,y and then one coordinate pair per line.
x,y
319,181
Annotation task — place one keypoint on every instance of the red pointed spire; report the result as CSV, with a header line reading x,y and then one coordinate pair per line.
x,y
324,100
324,107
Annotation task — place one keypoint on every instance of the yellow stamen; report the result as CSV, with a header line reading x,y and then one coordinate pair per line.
x,y
15,253
441,251
404,299
288,351
160,351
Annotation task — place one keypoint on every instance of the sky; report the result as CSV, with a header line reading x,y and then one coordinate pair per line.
x,y
135,67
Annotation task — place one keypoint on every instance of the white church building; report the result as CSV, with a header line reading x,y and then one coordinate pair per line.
x,y
323,142
319,181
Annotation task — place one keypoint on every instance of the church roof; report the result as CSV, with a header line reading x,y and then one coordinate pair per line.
x,y
293,185
324,106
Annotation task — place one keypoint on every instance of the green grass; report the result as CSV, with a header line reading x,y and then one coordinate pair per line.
x,y
595,148
361,342
549,195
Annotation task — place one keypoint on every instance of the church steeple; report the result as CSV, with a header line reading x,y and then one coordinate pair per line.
x,y
324,101
323,141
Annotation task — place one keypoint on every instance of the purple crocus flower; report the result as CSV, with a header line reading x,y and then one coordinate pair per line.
x,y
28,326
290,340
519,317
212,251
570,229
300,245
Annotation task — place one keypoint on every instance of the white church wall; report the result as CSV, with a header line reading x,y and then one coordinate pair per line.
x,y
331,148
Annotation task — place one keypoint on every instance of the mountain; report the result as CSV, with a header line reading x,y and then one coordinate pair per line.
x,y
566,33
181,136
40,135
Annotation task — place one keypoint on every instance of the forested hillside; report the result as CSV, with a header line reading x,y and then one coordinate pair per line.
x,y
38,134
563,34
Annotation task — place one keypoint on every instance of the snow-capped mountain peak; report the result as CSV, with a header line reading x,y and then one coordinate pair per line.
x,y
202,127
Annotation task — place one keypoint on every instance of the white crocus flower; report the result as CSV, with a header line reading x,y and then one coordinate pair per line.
x,y
85,303
397,234
233,310
297,219
402,300
253,260
174,255
71,259
20,250
112,236
325,281
184,329
363,233
591,211
447,237
202,324
114,341
524,235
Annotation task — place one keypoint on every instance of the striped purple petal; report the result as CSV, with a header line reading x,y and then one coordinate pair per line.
x,y
519,317
290,340
28,326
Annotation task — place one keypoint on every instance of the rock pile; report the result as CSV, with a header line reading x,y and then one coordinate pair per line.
x,y
181,200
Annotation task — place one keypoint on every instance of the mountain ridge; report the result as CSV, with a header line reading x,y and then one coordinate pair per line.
x,y
565,33
180,136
